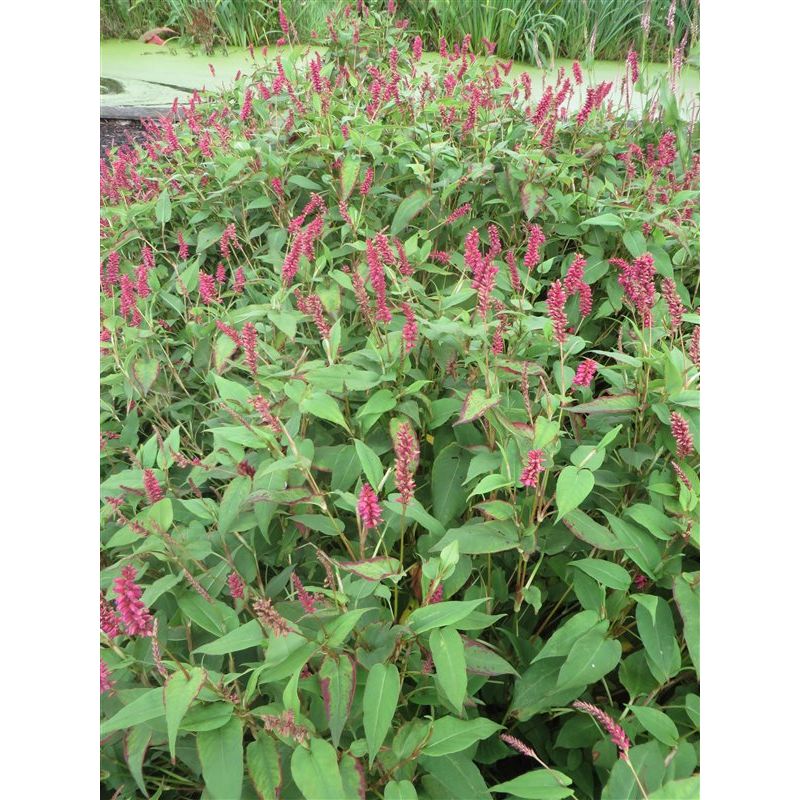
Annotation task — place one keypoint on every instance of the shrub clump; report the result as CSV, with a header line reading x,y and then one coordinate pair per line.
x,y
399,448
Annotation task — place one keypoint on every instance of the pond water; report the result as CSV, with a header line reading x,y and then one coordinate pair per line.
x,y
137,74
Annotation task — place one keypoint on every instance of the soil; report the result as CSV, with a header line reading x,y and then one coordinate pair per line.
x,y
116,132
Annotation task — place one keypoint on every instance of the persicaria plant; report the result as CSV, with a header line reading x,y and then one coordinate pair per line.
x,y
400,444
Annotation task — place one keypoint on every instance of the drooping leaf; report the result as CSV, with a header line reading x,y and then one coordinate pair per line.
x,y
380,700
447,649
222,758
179,693
316,771
264,766
337,680
452,735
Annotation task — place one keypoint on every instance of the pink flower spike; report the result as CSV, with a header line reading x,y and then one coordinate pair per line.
x,y
135,615
533,468
152,487
109,621
236,585
249,339
207,287
106,684
368,508
536,239
183,248
306,600
556,300
518,745
614,729
674,304
406,452
410,328
681,434
585,373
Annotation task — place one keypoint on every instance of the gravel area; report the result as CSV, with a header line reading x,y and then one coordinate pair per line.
x,y
115,132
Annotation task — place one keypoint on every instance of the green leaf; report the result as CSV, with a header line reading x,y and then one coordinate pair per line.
x,y
209,236
493,536
686,589
248,635
685,789
605,572
648,763
638,545
337,631
349,175
572,488
657,723
222,759
452,735
458,777
610,404
438,615
589,531
337,680
144,373
589,659
537,690
475,405
451,668
137,741
657,632
163,208
400,790
264,766
539,784
324,407
210,617
149,705
236,493
380,701
372,569
316,771
447,476
483,661
409,209
180,691
321,523
380,402
604,221
370,463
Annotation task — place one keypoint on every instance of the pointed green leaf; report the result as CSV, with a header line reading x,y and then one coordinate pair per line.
x,y
316,771
475,405
539,784
248,635
447,649
572,488
452,735
337,680
179,692
264,766
380,701
408,209
222,759
606,572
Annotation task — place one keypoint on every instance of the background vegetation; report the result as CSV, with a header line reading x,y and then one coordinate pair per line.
x,y
529,30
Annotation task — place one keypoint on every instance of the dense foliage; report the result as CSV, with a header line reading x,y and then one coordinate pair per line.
x,y
399,449
532,30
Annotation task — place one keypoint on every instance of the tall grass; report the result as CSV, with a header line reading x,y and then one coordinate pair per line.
x,y
537,31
